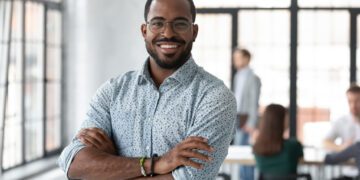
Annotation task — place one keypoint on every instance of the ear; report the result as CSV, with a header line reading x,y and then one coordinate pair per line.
x,y
195,31
143,30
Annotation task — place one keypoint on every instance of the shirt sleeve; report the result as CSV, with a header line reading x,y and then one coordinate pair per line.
x,y
214,120
350,152
332,133
253,106
98,116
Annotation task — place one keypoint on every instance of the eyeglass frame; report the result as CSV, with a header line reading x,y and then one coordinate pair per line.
x,y
172,25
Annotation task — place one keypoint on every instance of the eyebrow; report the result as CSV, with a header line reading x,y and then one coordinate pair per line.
x,y
161,18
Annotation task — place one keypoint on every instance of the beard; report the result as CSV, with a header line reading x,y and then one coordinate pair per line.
x,y
170,64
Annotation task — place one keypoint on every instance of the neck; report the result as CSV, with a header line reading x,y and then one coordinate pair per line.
x,y
159,74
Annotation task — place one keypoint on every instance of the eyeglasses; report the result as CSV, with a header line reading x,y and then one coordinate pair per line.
x,y
178,26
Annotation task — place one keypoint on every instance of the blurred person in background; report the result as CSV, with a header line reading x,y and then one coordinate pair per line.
x,y
276,155
247,91
347,127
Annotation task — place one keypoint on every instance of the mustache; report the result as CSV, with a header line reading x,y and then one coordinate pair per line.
x,y
173,39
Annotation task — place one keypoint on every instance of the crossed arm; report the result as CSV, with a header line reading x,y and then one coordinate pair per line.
x,y
99,160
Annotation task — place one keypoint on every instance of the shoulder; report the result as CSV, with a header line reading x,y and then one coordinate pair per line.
x,y
212,87
292,142
342,120
113,85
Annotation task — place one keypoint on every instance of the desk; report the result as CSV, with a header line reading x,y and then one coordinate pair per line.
x,y
313,157
243,155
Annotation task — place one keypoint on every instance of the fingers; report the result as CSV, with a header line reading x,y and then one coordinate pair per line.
x,y
87,140
93,135
199,143
195,154
189,162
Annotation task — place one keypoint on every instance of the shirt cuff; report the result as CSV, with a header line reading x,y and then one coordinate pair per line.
x,y
68,155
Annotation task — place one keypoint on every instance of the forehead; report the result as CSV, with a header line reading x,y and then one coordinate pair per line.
x,y
353,95
170,9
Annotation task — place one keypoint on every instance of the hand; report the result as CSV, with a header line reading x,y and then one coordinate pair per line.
x,y
180,155
345,145
97,138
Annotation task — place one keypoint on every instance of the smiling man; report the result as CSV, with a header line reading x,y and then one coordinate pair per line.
x,y
171,119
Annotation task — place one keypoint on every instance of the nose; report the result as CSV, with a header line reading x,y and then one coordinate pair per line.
x,y
168,30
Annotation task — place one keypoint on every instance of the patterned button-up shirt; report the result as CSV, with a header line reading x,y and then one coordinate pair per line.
x,y
143,119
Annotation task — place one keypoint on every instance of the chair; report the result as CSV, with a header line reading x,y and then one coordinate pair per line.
x,y
285,177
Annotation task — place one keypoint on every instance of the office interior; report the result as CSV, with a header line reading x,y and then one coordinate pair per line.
x,y
54,55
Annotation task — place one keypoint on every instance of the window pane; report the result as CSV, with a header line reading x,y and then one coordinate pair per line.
x,y
329,3
16,25
5,8
53,64
33,138
3,62
323,68
34,100
13,104
53,100
15,66
12,143
34,62
214,54
266,34
54,28
53,134
241,3
12,155
34,22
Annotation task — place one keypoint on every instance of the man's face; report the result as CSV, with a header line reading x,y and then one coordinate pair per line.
x,y
169,49
354,103
240,61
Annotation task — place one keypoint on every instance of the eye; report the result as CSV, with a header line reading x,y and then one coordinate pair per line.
x,y
181,24
157,24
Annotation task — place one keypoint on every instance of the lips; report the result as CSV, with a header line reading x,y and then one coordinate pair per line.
x,y
168,48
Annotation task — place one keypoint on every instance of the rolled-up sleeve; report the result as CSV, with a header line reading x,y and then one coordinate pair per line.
x,y
98,116
214,120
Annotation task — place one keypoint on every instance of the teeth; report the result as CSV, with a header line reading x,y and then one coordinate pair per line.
x,y
166,46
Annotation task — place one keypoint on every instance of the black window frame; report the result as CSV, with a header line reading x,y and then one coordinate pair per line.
x,y
48,6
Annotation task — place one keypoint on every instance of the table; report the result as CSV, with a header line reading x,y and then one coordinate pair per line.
x,y
313,157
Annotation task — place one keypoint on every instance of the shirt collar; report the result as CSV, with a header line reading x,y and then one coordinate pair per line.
x,y
186,72
183,75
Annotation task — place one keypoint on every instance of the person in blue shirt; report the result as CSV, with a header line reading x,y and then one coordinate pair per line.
x,y
171,108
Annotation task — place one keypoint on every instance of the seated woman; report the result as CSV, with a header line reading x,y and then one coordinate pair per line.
x,y
274,154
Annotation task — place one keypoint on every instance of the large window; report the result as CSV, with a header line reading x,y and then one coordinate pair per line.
x,y
303,51
266,34
323,65
214,54
30,80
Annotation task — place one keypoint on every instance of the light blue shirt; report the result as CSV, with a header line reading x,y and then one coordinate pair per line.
x,y
143,119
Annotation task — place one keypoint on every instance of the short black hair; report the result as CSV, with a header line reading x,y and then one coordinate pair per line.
x,y
192,9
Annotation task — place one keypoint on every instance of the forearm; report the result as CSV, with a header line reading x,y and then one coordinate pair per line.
x,y
329,145
90,163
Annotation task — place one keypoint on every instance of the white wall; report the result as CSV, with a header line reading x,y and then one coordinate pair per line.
x,y
102,40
